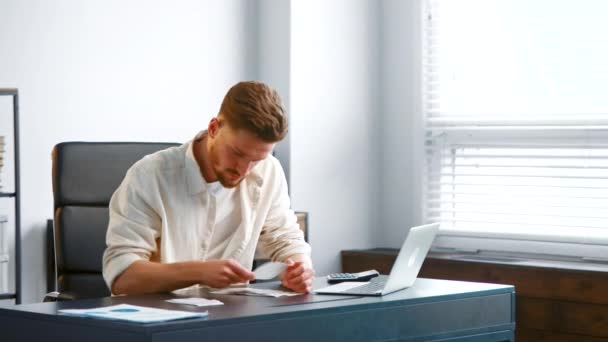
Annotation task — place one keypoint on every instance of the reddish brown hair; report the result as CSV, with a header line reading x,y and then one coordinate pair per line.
x,y
255,107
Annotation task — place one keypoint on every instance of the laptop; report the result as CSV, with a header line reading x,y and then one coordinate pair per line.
x,y
404,271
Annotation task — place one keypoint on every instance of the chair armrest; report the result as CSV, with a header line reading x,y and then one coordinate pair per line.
x,y
58,296
302,217
51,271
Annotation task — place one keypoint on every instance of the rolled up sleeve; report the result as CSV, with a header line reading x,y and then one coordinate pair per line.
x,y
133,227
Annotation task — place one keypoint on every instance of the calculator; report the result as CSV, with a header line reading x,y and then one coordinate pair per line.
x,y
361,276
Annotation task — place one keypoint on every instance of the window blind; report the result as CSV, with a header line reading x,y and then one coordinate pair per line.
x,y
515,107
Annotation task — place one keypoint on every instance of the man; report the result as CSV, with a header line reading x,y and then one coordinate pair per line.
x,y
195,214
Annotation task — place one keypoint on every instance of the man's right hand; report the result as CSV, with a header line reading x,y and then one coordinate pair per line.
x,y
223,273
145,276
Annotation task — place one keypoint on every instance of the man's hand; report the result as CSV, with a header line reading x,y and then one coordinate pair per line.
x,y
144,276
299,275
223,273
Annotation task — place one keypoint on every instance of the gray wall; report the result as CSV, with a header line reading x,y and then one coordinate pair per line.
x,y
274,39
400,132
335,121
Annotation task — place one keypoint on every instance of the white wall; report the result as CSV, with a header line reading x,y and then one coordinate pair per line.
x,y
154,71
401,139
114,70
335,120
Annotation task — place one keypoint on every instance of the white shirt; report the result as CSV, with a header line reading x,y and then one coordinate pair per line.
x,y
164,208
227,209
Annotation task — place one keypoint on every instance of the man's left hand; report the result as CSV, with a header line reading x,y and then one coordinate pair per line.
x,y
298,276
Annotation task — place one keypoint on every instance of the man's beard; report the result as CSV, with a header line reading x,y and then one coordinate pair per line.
x,y
222,175
222,178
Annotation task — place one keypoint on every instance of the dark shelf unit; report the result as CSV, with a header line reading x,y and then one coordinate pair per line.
x,y
15,195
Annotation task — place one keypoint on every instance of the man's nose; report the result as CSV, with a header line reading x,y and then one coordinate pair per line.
x,y
243,167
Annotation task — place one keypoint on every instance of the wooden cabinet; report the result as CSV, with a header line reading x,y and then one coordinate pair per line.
x,y
552,304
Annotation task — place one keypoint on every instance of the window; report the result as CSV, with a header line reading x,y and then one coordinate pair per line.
x,y
515,104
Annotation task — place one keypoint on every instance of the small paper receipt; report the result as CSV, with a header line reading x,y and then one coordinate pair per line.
x,y
269,270
250,291
195,301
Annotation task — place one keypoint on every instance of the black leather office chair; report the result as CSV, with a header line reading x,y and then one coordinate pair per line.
x,y
85,175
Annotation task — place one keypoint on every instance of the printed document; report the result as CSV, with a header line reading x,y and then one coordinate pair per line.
x,y
133,313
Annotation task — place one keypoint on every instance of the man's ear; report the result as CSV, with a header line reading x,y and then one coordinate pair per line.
x,y
214,127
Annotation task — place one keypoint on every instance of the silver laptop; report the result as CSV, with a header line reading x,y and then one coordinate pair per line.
x,y
404,271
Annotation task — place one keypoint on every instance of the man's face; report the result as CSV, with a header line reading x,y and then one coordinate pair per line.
x,y
234,153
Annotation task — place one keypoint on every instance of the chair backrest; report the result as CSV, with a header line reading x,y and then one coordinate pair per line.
x,y
85,175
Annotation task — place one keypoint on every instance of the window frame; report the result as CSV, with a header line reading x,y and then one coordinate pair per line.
x,y
471,242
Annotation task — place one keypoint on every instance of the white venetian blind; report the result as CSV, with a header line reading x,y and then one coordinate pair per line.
x,y
515,102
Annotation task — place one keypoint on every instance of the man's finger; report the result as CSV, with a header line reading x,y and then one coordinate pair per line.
x,y
295,272
294,266
232,277
303,287
296,281
304,278
306,274
241,272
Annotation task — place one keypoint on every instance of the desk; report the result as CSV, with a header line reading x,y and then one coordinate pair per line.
x,y
431,310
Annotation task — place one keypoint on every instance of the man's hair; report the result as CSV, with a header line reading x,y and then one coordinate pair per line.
x,y
255,107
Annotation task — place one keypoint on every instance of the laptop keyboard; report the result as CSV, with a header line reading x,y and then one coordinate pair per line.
x,y
372,287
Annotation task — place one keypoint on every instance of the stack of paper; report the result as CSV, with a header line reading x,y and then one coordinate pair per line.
x,y
250,291
196,301
133,313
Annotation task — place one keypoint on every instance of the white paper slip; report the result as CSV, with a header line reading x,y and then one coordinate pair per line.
x,y
196,301
269,270
337,288
250,291
133,313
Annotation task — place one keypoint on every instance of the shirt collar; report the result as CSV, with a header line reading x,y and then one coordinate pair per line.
x,y
194,177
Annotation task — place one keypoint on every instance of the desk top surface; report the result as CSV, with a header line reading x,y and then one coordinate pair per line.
x,y
243,308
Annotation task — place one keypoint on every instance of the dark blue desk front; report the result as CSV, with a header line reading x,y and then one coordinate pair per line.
x,y
431,310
